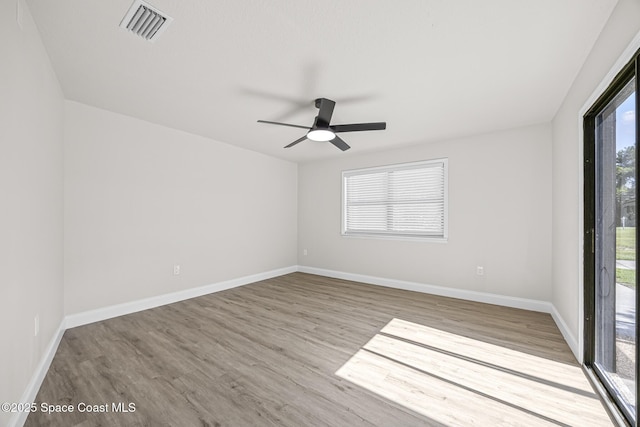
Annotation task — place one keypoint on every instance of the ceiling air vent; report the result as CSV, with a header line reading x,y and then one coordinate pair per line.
x,y
145,20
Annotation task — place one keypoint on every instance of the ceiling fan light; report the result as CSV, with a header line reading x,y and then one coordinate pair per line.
x,y
321,135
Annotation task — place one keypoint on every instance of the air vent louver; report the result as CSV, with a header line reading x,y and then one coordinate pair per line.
x,y
145,20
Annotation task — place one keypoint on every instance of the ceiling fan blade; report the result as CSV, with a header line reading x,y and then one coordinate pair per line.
x,y
338,142
326,111
356,127
296,141
284,124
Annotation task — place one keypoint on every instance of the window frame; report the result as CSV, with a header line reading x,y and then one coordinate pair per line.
x,y
394,235
606,390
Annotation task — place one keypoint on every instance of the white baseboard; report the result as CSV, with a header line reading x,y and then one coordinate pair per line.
x,y
29,396
515,302
507,301
571,340
109,312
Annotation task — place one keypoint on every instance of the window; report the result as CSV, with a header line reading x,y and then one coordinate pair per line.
x,y
405,200
611,243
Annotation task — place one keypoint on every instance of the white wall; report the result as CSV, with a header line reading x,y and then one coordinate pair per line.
x,y
621,28
499,217
31,213
140,198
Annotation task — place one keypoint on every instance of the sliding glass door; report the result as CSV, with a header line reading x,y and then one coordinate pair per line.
x,y
610,242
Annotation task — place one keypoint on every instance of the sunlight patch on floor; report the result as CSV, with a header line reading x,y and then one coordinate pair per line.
x,y
457,380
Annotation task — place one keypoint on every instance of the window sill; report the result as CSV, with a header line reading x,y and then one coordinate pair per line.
x,y
396,237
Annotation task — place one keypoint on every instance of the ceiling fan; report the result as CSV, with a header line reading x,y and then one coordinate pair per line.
x,y
323,130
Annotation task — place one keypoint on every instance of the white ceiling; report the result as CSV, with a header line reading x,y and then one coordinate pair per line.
x,y
431,69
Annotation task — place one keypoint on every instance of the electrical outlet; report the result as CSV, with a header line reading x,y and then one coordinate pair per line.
x,y
480,270
36,325
304,252
176,269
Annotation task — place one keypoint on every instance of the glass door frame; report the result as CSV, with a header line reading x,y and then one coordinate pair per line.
x,y
589,163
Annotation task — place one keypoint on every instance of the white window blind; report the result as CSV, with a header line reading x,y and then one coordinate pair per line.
x,y
405,200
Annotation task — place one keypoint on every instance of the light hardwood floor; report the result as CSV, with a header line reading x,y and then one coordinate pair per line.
x,y
305,350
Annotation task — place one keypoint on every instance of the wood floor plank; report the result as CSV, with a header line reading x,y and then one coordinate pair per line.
x,y
306,350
